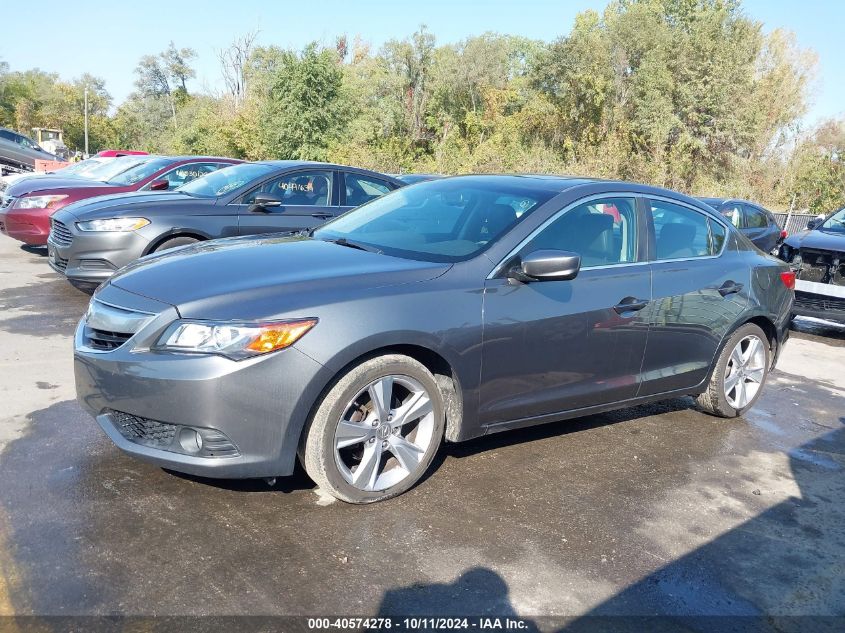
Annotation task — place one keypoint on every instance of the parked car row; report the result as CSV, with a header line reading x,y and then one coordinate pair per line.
x,y
357,320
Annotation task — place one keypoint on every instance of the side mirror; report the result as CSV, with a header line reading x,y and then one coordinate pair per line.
x,y
159,185
547,265
813,224
264,201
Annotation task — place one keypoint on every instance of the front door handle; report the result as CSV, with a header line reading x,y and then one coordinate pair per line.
x,y
630,304
729,288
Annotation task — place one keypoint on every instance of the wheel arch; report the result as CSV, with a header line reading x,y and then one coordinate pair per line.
x,y
443,371
172,234
759,319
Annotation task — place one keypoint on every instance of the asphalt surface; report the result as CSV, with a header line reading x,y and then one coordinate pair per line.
x,y
657,509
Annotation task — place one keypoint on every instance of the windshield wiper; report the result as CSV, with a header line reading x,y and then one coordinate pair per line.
x,y
342,241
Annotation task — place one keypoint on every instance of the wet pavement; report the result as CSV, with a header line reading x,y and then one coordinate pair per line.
x,y
657,509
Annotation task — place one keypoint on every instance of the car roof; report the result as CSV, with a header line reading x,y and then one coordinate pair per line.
x,y
287,164
721,201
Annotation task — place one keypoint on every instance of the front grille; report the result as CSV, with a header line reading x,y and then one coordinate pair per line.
x,y
60,234
819,302
166,436
107,327
143,430
103,340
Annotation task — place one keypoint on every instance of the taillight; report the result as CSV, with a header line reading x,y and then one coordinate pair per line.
x,y
788,279
783,235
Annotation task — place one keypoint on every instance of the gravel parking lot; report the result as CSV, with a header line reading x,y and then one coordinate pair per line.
x,y
655,509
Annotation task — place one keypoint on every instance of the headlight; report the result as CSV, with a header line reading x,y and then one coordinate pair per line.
x,y
113,224
39,202
234,340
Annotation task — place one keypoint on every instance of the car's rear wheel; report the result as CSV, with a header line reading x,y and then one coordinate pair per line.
x,y
376,431
174,242
740,373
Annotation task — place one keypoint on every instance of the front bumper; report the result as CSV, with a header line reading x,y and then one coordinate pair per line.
x,y
30,226
92,257
822,301
259,405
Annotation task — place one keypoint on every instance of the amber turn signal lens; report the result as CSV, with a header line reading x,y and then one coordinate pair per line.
x,y
280,335
788,279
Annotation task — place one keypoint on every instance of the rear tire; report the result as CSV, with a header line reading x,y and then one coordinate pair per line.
x,y
174,242
740,373
376,432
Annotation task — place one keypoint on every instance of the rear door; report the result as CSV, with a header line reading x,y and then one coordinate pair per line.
x,y
699,289
309,198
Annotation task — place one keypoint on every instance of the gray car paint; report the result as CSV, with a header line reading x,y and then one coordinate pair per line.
x,y
765,238
177,214
514,358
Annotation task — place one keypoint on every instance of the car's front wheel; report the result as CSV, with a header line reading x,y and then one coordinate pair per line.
x,y
740,373
376,431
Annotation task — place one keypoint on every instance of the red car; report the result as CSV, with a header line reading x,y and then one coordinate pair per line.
x,y
27,205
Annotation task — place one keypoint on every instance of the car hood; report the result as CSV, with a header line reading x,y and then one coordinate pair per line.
x,y
48,184
818,238
118,204
264,276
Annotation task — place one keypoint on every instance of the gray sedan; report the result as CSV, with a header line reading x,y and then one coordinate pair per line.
x,y
91,239
446,310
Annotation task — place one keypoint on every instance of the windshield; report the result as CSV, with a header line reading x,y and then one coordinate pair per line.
x,y
82,168
111,168
438,220
138,172
223,181
836,222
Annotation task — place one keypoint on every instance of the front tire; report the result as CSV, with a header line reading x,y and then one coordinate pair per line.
x,y
740,373
376,432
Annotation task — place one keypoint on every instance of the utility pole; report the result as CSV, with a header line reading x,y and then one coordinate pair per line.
x,y
86,122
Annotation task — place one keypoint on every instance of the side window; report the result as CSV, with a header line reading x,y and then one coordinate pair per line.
x,y
679,232
755,218
309,188
717,236
601,231
733,212
7,136
361,189
186,173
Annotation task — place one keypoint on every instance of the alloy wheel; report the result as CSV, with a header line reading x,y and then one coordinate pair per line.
x,y
384,433
745,372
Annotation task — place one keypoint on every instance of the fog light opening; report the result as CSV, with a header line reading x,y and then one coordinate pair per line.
x,y
190,440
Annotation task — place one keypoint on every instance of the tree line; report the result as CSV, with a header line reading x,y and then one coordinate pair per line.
x,y
692,95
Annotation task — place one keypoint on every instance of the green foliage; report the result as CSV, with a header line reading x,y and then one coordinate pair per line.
x,y
689,94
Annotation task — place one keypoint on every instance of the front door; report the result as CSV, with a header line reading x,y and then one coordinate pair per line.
x,y
308,199
553,346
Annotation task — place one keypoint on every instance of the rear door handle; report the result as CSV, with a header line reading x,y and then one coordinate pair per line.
x,y
322,216
729,288
630,304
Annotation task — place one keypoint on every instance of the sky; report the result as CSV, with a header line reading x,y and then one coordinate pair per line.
x,y
107,39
